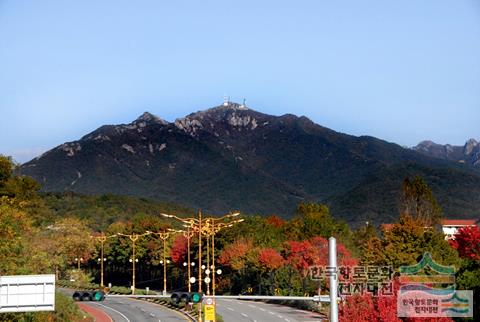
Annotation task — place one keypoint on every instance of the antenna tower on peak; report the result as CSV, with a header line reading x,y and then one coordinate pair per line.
x,y
226,100
244,104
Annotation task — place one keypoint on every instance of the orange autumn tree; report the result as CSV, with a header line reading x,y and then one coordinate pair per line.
x,y
275,221
236,255
270,261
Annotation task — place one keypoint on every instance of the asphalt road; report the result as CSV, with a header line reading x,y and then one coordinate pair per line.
x,y
131,310
251,311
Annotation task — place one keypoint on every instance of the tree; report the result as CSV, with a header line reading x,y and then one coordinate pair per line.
x,y
178,252
383,308
15,226
405,243
270,259
66,240
236,254
417,201
6,169
275,221
467,242
316,220
358,308
362,235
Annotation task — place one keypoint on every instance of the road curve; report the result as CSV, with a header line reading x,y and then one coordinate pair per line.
x,y
131,310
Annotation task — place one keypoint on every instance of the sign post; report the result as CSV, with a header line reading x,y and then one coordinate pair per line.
x,y
332,262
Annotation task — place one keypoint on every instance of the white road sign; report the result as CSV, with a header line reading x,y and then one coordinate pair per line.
x,y
27,293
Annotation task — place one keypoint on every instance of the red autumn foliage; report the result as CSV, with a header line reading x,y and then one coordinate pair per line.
x,y
311,252
301,255
358,308
367,308
467,242
270,259
275,221
178,252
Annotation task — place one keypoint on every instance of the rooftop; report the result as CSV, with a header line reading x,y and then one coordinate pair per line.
x,y
458,222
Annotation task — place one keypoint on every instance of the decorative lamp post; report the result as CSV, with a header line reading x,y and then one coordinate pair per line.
x,y
78,260
133,260
102,239
164,237
208,228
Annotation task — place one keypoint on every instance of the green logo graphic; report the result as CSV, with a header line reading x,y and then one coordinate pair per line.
x,y
427,289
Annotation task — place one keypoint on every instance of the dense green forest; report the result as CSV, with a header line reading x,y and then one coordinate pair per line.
x,y
53,233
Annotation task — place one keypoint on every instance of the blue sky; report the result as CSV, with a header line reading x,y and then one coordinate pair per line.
x,y
402,71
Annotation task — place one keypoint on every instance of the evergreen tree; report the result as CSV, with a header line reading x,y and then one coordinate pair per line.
x,y
418,201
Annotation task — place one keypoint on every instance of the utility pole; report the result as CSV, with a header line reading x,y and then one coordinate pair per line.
x,y
332,264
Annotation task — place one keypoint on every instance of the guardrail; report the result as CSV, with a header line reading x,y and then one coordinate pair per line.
x,y
316,298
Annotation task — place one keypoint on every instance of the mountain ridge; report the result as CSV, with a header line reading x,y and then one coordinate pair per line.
x,y
468,154
232,157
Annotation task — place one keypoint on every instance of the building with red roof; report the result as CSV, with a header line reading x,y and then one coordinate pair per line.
x,y
451,226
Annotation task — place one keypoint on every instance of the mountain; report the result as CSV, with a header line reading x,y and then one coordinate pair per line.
x,y
468,153
231,157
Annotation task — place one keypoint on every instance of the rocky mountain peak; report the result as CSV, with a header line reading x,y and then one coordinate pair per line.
x,y
149,117
214,119
468,153
470,146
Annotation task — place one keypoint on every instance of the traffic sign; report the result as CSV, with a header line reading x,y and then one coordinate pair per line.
x,y
209,313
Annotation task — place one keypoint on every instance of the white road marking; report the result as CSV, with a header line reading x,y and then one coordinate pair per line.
x,y
114,311
250,305
272,313
152,315
229,308
261,309
245,315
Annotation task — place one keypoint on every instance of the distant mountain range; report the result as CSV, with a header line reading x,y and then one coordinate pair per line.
x,y
231,157
468,153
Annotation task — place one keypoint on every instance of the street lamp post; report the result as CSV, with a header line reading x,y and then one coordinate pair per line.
x,y
202,227
78,260
102,239
164,237
211,230
164,263
188,234
133,238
